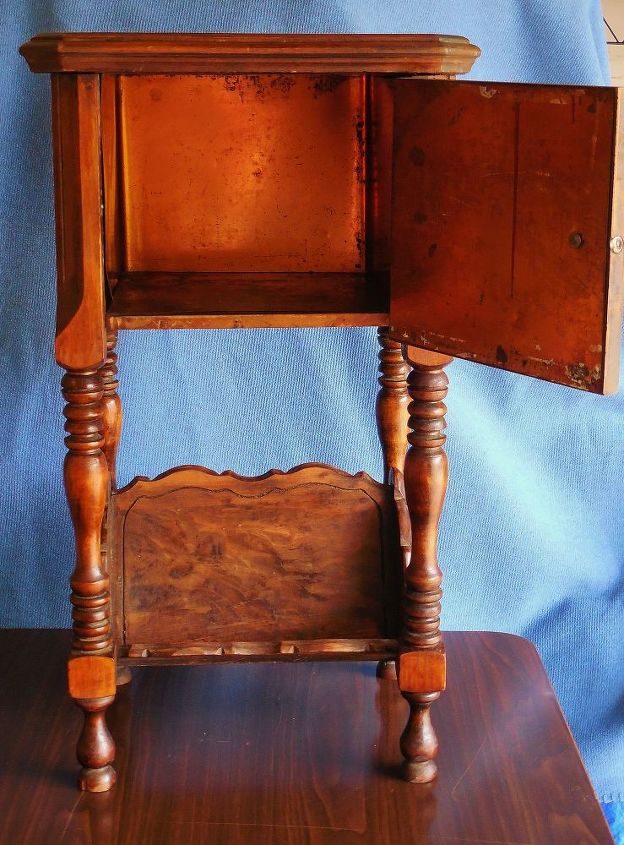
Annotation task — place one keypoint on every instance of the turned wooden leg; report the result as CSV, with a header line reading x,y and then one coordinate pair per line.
x,y
391,412
113,415
422,661
96,748
392,403
111,406
91,668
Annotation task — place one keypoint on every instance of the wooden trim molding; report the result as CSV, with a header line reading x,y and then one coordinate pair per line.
x,y
233,53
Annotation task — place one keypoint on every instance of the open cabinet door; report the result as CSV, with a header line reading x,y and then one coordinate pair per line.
x,y
506,227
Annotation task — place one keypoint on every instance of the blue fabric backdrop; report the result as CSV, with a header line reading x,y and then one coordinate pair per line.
x,y
531,536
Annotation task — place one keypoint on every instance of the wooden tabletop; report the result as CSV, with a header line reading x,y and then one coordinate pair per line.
x,y
300,754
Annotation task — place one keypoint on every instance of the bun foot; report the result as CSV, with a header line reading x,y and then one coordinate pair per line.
x,y
97,780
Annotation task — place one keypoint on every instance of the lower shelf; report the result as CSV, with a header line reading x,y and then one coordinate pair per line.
x,y
248,300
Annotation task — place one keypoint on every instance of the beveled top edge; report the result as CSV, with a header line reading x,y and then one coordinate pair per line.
x,y
104,52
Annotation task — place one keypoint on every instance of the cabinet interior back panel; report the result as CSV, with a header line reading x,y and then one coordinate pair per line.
x,y
241,173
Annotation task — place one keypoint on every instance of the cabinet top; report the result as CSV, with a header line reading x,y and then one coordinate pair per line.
x,y
86,52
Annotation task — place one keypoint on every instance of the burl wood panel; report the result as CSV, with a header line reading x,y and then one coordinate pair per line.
x,y
308,554
242,173
502,225
302,754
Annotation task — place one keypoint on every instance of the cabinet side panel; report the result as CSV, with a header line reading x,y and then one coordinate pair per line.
x,y
80,334
501,225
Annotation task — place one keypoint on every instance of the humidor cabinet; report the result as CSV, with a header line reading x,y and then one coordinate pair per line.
x,y
249,181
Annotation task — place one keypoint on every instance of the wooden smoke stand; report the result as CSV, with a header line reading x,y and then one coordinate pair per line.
x,y
236,181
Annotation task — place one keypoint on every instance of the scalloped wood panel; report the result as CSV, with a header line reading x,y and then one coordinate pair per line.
x,y
308,554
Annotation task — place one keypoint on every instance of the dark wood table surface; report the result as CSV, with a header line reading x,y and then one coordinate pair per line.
x,y
298,754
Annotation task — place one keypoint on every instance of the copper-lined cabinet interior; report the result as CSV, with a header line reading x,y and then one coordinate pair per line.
x,y
250,181
235,200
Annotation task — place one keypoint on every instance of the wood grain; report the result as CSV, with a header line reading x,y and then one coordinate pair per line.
x,y
91,677
303,754
86,478
502,223
423,676
80,333
392,402
248,300
305,555
422,671
85,474
238,52
198,651
111,406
